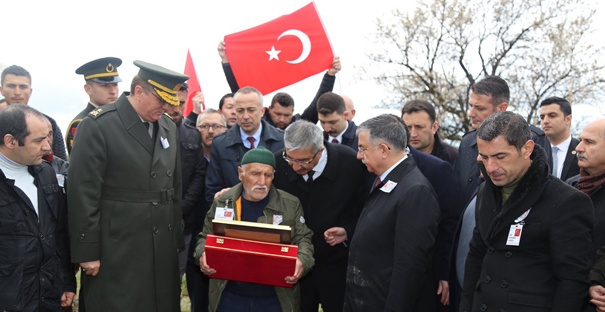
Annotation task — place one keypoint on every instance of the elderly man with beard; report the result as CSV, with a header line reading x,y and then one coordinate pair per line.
x,y
258,201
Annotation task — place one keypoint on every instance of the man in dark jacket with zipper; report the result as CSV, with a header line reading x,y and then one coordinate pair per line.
x,y
35,269
531,246
193,169
229,148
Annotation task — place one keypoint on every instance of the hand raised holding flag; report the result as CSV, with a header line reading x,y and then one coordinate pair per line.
x,y
279,53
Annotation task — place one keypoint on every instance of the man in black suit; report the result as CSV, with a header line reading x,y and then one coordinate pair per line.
x,y
531,247
555,116
390,267
332,114
312,170
487,96
421,119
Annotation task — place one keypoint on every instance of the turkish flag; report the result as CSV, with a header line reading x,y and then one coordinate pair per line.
x,y
193,83
280,52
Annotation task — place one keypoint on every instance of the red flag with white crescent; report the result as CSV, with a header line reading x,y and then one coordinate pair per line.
x,y
280,52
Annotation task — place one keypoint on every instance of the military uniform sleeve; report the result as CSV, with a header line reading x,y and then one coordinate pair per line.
x,y
71,132
86,171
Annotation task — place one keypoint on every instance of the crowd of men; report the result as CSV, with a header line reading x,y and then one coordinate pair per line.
x,y
386,215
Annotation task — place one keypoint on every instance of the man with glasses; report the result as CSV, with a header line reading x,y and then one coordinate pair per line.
x,y
210,123
249,132
125,219
390,267
312,170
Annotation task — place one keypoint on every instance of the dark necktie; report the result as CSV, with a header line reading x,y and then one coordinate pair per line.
x,y
251,140
149,129
335,141
310,176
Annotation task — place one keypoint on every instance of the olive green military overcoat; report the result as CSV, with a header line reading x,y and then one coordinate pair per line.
x,y
124,199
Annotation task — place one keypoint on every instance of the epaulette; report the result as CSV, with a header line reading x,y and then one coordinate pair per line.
x,y
73,123
95,113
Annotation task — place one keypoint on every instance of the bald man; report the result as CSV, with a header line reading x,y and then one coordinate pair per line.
x,y
591,160
350,108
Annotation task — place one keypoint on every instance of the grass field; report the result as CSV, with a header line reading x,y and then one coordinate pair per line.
x,y
185,302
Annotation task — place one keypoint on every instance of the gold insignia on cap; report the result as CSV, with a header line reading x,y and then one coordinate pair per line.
x,y
109,68
161,87
167,97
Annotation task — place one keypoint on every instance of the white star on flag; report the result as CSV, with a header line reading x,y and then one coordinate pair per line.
x,y
273,54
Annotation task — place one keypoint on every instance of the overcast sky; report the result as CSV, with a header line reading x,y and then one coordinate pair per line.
x,y
53,38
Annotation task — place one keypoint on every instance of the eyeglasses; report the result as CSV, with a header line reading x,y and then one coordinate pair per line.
x,y
299,161
363,151
207,127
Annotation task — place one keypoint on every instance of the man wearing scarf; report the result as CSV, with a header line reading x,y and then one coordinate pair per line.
x,y
530,249
591,160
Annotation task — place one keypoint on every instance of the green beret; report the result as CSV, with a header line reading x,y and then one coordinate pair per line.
x,y
259,155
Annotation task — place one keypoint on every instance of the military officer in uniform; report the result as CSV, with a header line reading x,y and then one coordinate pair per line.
x,y
125,219
102,79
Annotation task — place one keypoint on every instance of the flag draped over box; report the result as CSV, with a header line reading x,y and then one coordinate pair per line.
x,y
280,52
193,83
